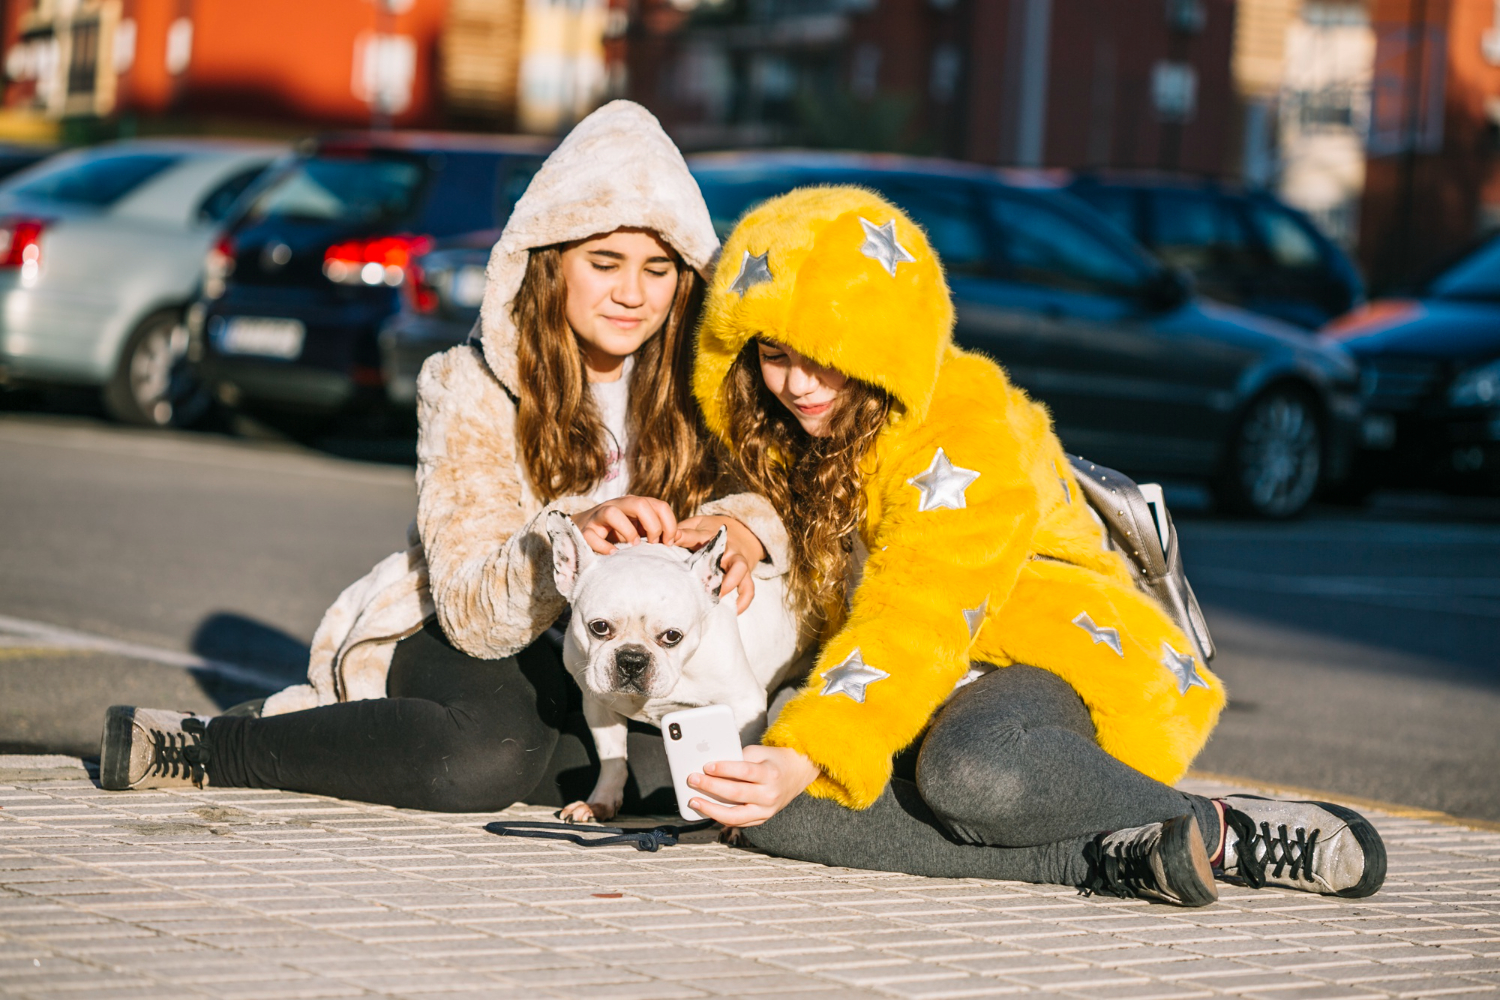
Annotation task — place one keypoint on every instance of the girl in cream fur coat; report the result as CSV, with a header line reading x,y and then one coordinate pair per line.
x,y
994,696
431,684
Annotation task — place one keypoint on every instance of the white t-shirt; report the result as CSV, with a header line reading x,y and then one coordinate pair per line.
x,y
613,400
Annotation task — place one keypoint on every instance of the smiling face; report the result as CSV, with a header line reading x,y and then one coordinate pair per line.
x,y
620,290
807,389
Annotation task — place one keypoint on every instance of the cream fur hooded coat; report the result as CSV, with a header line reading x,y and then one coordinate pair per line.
x,y
477,556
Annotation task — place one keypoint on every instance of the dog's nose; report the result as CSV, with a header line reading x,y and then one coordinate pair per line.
x,y
632,662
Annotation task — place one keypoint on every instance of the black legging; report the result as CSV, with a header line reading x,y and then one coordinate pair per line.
x,y
1008,782
455,734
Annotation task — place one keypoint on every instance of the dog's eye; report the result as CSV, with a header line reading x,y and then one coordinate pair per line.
x,y
671,637
601,628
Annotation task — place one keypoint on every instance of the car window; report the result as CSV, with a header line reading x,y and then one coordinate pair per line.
x,y
1043,246
946,211
217,203
354,189
514,180
99,181
1115,204
1477,276
1194,230
1287,241
730,194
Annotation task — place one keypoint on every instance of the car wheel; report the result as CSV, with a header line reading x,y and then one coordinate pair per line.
x,y
153,384
1275,456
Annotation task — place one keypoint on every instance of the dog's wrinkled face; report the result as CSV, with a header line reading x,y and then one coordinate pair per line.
x,y
639,614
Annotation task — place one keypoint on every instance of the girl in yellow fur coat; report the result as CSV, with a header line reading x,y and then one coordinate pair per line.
x,y
994,695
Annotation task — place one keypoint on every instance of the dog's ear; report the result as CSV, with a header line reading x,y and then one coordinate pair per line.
x,y
705,563
570,552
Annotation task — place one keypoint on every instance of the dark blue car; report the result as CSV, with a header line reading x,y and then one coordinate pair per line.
x,y
1431,369
325,252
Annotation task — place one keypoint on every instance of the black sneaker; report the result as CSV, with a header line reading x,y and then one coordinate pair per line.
x,y
1165,861
152,748
1312,846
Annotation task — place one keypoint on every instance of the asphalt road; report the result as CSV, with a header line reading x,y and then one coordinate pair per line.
x,y
1361,649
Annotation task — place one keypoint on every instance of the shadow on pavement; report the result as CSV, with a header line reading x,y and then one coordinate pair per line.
x,y
234,638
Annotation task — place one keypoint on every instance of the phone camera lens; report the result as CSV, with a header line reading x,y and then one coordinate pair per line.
x,y
674,731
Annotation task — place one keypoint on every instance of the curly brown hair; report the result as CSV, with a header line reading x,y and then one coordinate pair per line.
x,y
558,427
813,482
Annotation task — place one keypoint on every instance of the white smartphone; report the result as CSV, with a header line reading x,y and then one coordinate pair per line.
x,y
694,737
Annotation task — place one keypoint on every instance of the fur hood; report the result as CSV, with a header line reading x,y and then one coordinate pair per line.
x,y
982,548
616,168
478,558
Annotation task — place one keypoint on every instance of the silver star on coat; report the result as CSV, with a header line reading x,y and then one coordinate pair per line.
x,y
974,617
754,270
943,484
1100,633
1184,668
851,677
880,245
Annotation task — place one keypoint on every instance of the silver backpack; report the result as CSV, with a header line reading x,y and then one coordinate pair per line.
x,y
1137,523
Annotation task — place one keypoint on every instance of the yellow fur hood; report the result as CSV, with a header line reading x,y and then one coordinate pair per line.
x,y
982,549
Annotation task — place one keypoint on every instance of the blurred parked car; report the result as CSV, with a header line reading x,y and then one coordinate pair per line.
x,y
312,265
1139,373
447,287
15,157
100,251
1431,365
1243,248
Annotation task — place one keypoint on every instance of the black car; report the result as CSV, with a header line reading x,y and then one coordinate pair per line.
x,y
321,255
1431,368
1244,248
1138,372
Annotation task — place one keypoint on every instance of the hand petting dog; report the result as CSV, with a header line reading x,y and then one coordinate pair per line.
x,y
631,519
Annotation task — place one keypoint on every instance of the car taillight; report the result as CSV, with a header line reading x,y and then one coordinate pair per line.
x,y
21,246
420,293
378,260
217,266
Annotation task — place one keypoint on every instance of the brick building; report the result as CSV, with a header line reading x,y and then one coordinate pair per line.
x,y
1433,171
1068,83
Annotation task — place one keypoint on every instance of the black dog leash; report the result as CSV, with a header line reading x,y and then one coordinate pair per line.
x,y
653,839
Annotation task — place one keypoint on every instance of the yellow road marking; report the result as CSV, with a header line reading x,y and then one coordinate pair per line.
x,y
1393,808
38,652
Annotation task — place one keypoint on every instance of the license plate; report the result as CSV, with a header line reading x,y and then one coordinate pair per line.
x,y
267,338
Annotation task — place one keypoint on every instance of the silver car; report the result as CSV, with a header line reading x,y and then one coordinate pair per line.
x,y
100,252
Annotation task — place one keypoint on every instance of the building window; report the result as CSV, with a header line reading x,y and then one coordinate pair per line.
x,y
1174,91
83,64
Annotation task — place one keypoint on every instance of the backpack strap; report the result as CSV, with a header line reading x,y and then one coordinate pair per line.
x,y
1138,531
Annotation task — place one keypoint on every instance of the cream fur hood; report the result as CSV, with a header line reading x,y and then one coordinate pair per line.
x,y
478,558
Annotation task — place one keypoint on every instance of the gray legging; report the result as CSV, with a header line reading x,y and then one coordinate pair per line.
x,y
1007,783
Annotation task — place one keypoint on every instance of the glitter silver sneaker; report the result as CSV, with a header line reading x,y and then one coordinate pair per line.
x,y
1312,846
1163,861
152,748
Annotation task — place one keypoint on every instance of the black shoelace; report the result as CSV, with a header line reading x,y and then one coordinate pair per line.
x,y
179,755
1287,855
1122,869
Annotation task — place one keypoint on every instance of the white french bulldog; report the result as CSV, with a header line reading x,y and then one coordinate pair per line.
x,y
649,635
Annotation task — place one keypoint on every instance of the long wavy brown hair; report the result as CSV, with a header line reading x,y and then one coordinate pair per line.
x,y
816,484
558,426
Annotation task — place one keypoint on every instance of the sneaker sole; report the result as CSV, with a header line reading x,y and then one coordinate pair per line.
x,y
1368,838
114,748
1185,862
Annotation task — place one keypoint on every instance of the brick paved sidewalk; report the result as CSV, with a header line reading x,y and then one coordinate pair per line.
x,y
243,894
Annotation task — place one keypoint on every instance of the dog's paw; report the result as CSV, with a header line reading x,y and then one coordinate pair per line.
x,y
577,812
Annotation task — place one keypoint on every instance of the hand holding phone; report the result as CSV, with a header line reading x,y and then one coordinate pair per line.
x,y
694,737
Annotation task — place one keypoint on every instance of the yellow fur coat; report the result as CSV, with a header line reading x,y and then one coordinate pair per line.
x,y
981,545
